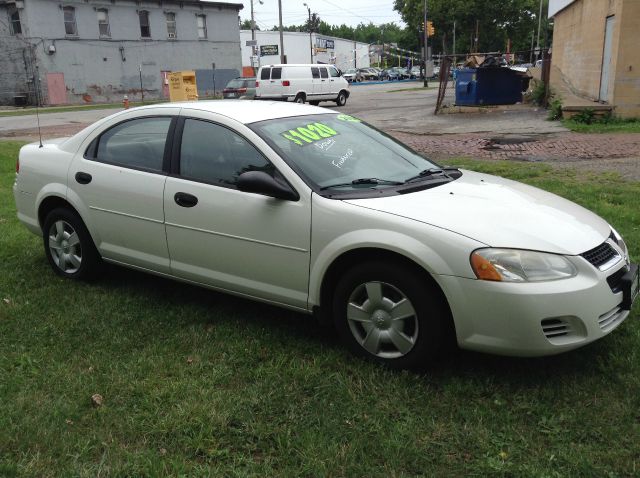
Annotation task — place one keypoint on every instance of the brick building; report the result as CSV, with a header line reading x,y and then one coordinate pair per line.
x,y
596,54
82,51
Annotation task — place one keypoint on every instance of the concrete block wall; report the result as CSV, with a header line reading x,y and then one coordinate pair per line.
x,y
14,78
626,87
105,69
578,42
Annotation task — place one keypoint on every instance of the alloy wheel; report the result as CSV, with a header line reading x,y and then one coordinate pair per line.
x,y
65,247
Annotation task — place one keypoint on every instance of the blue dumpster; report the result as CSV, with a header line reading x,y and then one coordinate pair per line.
x,y
488,86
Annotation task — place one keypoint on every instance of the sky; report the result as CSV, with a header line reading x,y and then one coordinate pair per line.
x,y
334,12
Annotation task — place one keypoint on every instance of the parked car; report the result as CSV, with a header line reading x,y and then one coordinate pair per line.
x,y
316,211
389,74
403,74
302,83
368,74
352,74
240,88
415,72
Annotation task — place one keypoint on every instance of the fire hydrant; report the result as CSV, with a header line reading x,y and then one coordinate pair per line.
x,y
125,102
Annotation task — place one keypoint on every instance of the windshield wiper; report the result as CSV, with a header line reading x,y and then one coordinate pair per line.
x,y
372,181
426,173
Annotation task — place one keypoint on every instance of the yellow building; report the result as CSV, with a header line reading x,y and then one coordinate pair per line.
x,y
596,54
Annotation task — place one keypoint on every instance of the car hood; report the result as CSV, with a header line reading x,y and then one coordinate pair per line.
x,y
499,213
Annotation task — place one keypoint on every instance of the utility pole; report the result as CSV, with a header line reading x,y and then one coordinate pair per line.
x,y
539,24
476,38
310,40
454,40
425,53
281,35
254,47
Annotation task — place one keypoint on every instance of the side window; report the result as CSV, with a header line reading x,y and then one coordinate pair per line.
x,y
265,73
137,144
315,73
145,29
214,154
276,73
70,27
323,73
333,72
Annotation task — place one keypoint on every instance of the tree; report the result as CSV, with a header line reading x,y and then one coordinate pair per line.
x,y
497,22
246,25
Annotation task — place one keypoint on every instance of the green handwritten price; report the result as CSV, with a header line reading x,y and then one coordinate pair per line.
x,y
310,133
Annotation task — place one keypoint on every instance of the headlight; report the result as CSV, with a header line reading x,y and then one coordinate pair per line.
x,y
617,238
513,265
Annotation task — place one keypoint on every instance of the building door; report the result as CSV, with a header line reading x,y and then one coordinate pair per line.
x,y
56,88
606,58
164,75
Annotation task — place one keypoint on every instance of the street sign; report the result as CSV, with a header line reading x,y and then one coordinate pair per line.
x,y
252,42
266,50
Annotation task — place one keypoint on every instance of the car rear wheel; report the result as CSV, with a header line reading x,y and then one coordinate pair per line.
x,y
341,100
299,98
68,245
389,313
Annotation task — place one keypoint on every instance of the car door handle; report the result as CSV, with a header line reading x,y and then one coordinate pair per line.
x,y
185,200
83,178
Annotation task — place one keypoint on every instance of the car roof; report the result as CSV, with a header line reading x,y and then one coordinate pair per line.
x,y
245,111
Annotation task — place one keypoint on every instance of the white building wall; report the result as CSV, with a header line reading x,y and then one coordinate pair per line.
x,y
297,49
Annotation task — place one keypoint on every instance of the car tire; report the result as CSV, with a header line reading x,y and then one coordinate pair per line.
x,y
300,98
314,103
341,100
391,314
68,245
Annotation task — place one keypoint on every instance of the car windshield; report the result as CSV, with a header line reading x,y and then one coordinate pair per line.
x,y
339,153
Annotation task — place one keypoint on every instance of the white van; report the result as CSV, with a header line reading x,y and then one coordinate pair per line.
x,y
301,83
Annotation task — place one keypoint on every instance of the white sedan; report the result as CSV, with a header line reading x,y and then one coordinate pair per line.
x,y
316,211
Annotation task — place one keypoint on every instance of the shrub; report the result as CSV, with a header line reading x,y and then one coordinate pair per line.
x,y
555,110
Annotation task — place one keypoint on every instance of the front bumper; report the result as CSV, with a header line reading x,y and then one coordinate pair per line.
x,y
534,319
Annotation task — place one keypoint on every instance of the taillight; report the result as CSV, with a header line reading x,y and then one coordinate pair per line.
x,y
227,90
286,83
257,84
242,90
17,165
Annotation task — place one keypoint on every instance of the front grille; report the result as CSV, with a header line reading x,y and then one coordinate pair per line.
x,y
615,280
600,255
553,328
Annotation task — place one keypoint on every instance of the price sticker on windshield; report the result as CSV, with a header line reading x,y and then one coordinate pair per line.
x,y
308,134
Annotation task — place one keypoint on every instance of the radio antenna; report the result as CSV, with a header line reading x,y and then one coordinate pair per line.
x,y
36,87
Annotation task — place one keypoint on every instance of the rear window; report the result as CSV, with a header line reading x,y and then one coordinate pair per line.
x,y
314,72
323,73
265,73
276,73
236,84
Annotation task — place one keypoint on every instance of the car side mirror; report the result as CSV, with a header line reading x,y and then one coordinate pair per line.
x,y
260,182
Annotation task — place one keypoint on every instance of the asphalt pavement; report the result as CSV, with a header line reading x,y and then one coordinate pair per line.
x,y
392,106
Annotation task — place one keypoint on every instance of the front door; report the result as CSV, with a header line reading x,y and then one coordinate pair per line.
x,y
237,241
606,58
120,178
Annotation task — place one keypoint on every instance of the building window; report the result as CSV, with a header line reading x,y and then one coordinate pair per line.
x,y
70,27
103,22
145,30
14,21
171,24
202,26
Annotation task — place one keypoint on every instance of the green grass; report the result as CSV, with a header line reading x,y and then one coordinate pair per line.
x,y
610,126
197,383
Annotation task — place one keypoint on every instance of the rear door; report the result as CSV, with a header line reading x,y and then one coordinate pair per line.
x,y
335,81
317,90
120,179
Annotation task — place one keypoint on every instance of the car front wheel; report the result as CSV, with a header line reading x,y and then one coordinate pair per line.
x,y
341,100
390,313
68,245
